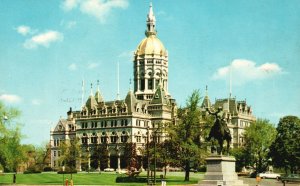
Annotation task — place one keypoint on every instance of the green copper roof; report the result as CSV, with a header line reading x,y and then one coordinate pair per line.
x,y
91,103
160,97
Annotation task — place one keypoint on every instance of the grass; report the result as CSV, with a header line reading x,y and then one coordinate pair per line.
x,y
173,178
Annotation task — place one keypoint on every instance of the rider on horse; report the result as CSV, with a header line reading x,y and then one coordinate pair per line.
x,y
220,130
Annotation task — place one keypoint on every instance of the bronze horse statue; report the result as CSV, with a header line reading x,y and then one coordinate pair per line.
x,y
219,131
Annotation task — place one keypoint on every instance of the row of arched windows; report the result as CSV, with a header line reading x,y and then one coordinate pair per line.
x,y
105,123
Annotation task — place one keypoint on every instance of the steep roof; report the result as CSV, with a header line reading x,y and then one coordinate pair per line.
x,y
160,97
98,96
91,103
131,101
224,103
206,102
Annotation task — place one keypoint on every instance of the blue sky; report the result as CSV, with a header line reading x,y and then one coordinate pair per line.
x,y
48,47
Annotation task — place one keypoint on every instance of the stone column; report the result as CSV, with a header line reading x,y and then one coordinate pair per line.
x,y
89,162
108,162
119,163
78,166
146,84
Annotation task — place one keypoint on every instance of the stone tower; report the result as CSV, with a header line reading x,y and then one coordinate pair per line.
x,y
150,63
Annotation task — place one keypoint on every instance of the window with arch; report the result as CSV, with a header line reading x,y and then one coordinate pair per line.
x,y
114,137
124,137
138,139
84,139
103,138
94,138
150,83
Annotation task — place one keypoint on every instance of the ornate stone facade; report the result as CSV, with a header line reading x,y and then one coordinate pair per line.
x,y
118,122
138,115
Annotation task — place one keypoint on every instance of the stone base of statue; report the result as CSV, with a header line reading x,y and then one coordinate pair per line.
x,y
221,172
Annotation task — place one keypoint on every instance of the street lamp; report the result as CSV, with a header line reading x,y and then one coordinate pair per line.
x,y
4,118
148,158
154,140
63,169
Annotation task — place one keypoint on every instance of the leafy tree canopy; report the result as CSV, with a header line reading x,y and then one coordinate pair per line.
x,y
11,151
285,150
258,139
187,134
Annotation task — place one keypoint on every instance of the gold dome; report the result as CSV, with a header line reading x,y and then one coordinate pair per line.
x,y
151,45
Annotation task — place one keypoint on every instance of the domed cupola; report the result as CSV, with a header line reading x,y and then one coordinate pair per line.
x,y
150,62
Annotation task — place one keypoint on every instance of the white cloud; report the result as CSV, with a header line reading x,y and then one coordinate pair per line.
x,y
92,65
10,98
36,102
71,24
70,4
24,30
68,24
43,39
96,8
72,67
243,71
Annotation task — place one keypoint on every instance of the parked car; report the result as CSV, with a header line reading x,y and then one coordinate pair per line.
x,y
109,170
122,171
290,178
269,175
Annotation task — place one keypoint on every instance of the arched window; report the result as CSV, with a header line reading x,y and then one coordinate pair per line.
x,y
124,137
114,137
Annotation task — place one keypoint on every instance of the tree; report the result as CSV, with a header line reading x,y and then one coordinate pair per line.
x,y
70,151
11,151
187,134
285,150
99,157
131,156
258,139
241,158
167,151
35,157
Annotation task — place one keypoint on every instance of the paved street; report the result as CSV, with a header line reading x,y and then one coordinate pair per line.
x,y
266,182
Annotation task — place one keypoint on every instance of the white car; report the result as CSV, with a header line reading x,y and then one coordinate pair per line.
x,y
269,175
109,170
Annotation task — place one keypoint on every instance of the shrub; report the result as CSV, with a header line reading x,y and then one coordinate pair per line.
x,y
47,169
32,172
67,172
202,168
126,179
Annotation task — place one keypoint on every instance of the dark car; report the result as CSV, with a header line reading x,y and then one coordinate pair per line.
x,y
290,178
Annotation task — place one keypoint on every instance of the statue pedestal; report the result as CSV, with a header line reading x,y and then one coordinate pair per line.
x,y
221,172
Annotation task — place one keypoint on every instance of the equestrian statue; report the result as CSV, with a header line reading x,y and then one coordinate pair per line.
x,y
219,130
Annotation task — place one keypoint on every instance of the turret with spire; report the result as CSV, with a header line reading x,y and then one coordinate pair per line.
x,y
91,103
206,101
98,95
150,22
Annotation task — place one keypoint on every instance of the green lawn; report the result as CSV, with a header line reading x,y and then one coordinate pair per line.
x,y
174,178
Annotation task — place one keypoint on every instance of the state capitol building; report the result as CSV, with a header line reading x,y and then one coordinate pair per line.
x,y
131,119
